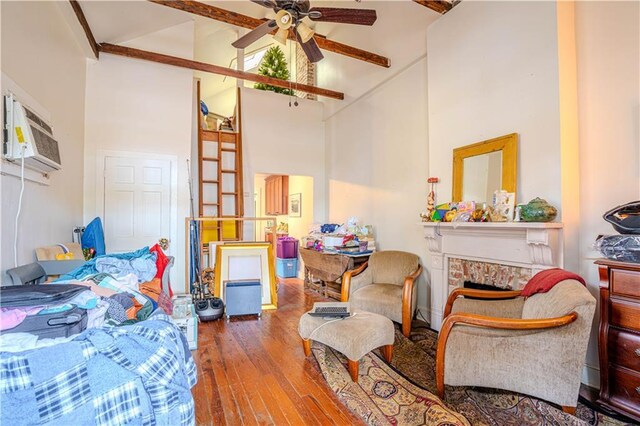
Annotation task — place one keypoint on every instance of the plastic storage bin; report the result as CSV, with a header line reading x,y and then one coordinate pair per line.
x,y
287,268
287,248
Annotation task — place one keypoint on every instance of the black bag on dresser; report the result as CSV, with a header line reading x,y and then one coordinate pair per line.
x,y
625,218
58,324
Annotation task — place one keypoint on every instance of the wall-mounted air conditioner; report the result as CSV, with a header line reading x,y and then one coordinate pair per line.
x,y
25,133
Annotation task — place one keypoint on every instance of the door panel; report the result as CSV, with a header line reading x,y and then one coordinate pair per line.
x,y
137,202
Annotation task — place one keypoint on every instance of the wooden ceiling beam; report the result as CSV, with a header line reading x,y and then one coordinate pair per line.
x,y
145,55
244,21
440,6
85,26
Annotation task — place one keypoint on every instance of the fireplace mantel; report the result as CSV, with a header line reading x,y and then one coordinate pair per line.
x,y
537,246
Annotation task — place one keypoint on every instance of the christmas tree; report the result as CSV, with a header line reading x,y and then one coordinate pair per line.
x,y
274,65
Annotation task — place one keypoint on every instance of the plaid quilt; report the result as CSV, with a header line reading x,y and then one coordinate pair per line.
x,y
140,374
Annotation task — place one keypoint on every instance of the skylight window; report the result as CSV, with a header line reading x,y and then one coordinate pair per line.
x,y
253,60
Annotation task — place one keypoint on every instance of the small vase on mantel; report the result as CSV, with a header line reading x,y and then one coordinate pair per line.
x,y
538,210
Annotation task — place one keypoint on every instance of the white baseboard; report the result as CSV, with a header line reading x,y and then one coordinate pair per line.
x,y
423,313
434,318
591,376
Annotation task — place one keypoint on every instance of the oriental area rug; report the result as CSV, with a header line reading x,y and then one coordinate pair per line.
x,y
403,393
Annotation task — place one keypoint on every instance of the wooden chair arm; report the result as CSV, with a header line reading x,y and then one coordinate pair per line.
x,y
346,281
407,287
407,298
489,322
481,294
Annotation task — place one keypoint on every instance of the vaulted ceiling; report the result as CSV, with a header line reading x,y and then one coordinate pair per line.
x,y
399,34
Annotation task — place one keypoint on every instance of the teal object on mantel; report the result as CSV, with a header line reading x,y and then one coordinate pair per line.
x,y
538,210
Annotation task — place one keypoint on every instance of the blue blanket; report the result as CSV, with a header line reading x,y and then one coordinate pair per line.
x,y
132,375
144,261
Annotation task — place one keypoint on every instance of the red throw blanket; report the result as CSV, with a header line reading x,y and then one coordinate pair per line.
x,y
544,281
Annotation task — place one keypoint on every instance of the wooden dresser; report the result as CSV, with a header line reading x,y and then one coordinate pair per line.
x,y
619,338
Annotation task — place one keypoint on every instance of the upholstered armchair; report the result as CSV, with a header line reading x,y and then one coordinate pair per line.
x,y
536,346
385,285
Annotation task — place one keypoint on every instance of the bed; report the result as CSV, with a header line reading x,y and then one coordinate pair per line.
x,y
125,369
133,374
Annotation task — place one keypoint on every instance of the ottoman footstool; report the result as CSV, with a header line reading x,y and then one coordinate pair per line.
x,y
354,336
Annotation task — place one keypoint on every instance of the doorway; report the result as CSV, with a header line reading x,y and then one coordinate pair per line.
x,y
137,200
298,217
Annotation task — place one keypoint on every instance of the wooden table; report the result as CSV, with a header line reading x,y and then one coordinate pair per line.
x,y
323,271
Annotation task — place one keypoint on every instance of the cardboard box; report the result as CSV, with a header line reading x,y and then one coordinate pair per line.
x,y
189,326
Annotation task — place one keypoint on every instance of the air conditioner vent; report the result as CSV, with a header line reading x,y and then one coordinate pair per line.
x,y
33,117
47,146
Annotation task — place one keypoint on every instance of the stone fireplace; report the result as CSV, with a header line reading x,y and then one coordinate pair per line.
x,y
491,275
503,255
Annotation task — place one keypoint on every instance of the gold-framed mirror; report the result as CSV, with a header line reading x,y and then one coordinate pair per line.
x,y
481,168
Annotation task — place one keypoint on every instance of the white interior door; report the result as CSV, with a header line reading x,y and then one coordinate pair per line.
x,y
137,202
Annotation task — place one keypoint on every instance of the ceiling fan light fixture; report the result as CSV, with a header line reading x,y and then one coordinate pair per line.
x,y
284,19
305,32
281,36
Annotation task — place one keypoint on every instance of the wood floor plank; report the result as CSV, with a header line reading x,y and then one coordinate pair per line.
x,y
257,405
254,371
305,379
292,411
313,406
205,393
276,371
304,384
244,407
230,408
272,405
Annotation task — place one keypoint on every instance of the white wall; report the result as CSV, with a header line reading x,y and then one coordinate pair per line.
x,y
377,163
608,46
40,54
535,69
493,70
503,67
399,33
278,139
299,226
144,107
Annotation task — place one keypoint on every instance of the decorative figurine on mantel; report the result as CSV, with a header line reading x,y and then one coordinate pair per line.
x,y
504,204
431,199
538,210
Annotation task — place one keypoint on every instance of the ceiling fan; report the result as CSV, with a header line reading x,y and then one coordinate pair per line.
x,y
290,14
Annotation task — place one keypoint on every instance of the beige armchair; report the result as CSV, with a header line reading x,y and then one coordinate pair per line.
x,y
385,285
536,346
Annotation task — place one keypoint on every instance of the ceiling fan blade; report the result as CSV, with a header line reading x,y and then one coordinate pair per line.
x,y
266,3
310,49
255,34
344,16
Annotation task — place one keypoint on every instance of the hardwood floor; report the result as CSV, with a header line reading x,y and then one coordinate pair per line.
x,y
254,371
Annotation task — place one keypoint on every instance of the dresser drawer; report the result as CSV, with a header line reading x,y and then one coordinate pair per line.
x,y
625,386
625,314
625,283
624,349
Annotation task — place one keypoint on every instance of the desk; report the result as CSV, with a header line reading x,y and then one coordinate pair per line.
x,y
323,271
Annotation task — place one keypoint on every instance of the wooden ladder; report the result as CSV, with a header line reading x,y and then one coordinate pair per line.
x,y
220,179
